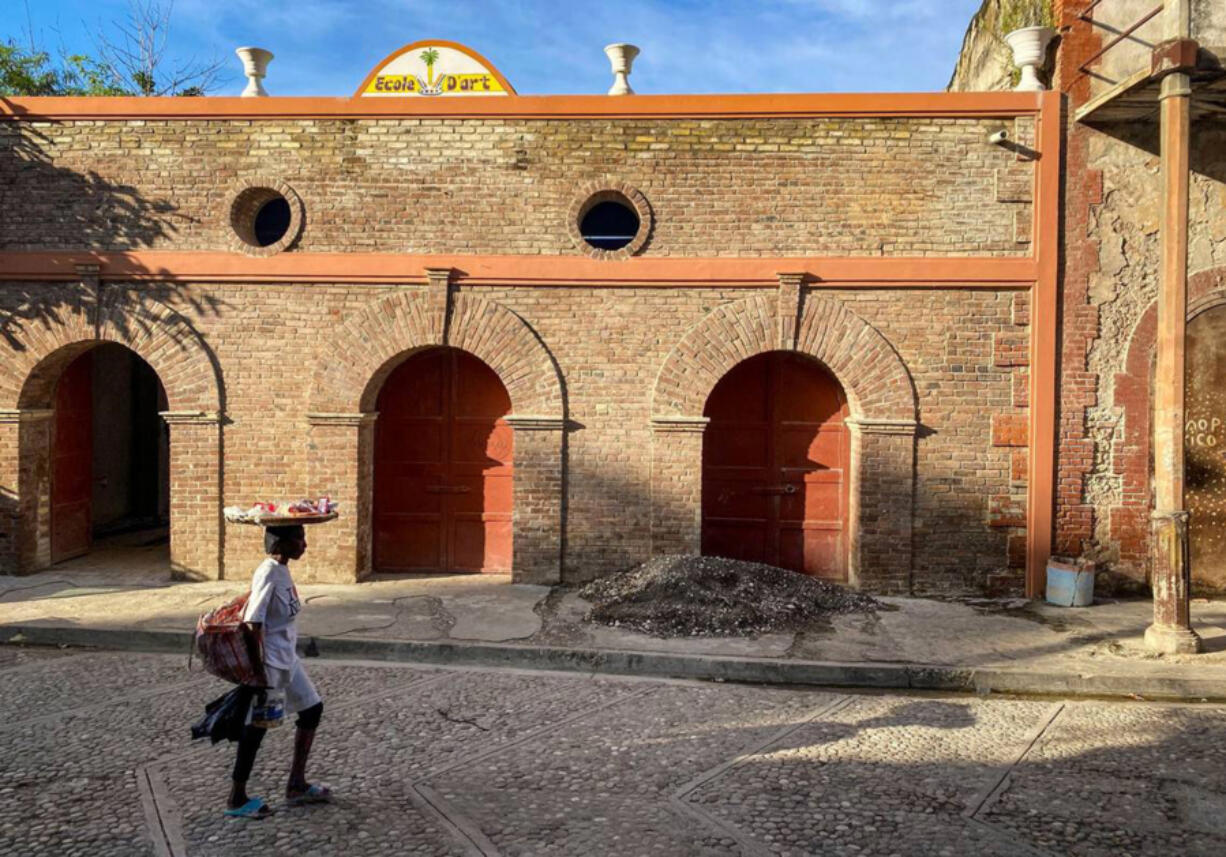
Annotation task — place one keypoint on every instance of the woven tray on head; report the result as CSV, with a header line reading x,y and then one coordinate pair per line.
x,y
278,520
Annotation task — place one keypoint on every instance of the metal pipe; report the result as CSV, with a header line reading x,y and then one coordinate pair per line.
x,y
1136,25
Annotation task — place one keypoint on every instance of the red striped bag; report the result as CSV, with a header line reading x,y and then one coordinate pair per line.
x,y
226,645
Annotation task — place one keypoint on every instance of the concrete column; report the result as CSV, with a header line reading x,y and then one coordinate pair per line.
x,y
882,504
538,527
341,467
25,489
196,546
676,484
1171,630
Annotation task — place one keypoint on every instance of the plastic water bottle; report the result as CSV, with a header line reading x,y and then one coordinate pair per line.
x,y
269,712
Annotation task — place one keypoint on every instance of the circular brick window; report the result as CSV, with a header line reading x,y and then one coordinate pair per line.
x,y
610,221
265,216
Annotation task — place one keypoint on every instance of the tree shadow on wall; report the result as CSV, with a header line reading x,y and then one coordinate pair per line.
x,y
84,212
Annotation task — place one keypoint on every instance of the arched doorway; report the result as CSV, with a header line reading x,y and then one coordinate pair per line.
x,y
1205,447
443,467
110,459
776,461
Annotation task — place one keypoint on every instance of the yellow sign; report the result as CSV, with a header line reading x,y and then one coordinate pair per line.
x,y
434,68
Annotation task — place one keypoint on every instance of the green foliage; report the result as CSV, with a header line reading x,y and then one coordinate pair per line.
x,y
1017,14
25,72
129,59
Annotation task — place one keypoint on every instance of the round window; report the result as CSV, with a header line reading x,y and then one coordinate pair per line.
x,y
610,225
266,218
609,220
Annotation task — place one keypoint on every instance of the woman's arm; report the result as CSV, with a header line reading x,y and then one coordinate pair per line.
x,y
253,636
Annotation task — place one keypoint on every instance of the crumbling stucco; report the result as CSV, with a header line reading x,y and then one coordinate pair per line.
x,y
1124,287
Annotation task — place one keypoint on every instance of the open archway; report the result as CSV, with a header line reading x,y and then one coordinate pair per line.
x,y
110,461
190,411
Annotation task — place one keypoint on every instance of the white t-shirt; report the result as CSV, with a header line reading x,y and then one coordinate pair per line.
x,y
274,601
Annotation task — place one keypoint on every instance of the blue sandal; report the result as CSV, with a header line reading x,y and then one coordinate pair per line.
x,y
254,808
313,794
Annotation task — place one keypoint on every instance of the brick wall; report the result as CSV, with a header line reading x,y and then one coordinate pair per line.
x,y
609,345
878,186
271,385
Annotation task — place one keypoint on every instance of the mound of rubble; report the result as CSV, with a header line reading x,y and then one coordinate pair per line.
x,y
690,596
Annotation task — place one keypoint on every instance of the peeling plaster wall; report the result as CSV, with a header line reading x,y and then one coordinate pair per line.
x,y
1124,286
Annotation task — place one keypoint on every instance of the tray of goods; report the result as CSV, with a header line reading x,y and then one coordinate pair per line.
x,y
283,514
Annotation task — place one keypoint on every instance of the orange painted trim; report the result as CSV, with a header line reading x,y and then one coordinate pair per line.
x,y
922,104
455,46
1041,497
208,266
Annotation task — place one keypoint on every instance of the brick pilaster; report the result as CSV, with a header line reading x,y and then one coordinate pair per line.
x,y
341,467
196,535
676,484
537,526
882,504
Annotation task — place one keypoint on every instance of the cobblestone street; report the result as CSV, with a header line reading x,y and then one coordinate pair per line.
x,y
95,760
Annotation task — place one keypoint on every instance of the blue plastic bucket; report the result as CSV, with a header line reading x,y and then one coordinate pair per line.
x,y
1068,586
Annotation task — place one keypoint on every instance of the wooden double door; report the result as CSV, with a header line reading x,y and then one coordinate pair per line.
x,y
444,472
776,456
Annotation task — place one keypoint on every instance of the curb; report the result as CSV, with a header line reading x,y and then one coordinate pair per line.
x,y
895,676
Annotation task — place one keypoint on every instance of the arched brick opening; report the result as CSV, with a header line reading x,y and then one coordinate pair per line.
x,y
189,377
368,347
880,395
1128,523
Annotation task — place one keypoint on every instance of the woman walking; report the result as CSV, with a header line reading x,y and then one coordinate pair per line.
x,y
272,608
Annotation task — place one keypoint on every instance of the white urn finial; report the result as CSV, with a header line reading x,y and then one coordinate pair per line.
x,y
255,65
1029,46
621,57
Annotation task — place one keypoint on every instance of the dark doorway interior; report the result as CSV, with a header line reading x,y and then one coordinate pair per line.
x,y
111,483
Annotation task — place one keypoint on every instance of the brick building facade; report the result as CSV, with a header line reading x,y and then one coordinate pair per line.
x,y
883,240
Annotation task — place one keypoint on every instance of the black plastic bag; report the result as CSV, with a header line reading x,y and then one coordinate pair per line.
x,y
225,717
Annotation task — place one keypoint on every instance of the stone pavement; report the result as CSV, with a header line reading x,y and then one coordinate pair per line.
x,y
95,760
1009,646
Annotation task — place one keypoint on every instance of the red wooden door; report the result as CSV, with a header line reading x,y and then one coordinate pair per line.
x,y
72,472
443,467
775,460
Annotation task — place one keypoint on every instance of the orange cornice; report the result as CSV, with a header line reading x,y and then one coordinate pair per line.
x,y
935,104
207,266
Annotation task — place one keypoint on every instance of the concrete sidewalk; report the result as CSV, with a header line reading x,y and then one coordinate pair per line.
x,y
981,645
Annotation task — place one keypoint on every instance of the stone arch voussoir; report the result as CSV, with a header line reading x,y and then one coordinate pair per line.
x,y
372,342
876,381
162,337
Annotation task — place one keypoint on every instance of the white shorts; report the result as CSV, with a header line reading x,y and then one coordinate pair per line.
x,y
300,693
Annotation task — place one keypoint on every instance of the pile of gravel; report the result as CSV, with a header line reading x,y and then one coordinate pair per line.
x,y
689,596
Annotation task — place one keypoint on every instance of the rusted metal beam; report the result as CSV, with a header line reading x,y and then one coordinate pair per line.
x,y
1084,68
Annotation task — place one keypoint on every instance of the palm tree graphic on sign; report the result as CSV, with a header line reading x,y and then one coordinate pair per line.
x,y
429,56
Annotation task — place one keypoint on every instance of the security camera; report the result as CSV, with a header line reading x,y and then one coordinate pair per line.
x,y
997,138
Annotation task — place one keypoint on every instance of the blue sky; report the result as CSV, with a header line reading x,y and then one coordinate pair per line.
x,y
326,47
